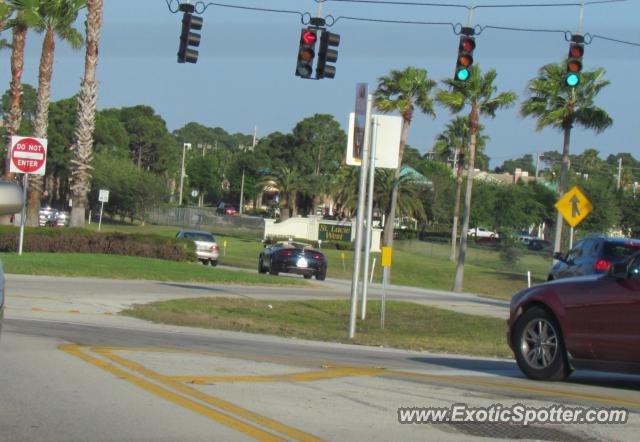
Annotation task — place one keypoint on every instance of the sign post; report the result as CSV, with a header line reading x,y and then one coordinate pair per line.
x,y
28,155
103,197
386,263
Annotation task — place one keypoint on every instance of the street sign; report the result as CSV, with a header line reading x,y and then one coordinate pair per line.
x,y
387,141
103,196
28,155
574,206
360,121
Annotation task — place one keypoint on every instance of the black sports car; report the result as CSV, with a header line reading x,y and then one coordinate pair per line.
x,y
293,257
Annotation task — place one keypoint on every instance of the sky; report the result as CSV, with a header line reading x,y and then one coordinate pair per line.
x,y
244,77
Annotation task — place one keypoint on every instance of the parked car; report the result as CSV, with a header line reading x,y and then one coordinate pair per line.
x,y
593,254
588,322
539,244
207,249
293,257
226,209
10,203
481,232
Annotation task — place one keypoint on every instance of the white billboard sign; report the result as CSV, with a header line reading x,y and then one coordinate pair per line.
x,y
388,131
103,196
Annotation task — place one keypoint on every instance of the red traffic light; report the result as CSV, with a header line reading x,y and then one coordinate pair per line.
x,y
467,44
576,51
309,37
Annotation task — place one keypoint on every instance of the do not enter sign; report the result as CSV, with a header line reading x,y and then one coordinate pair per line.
x,y
28,155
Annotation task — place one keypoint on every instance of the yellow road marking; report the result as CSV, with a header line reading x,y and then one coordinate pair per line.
x,y
222,418
292,377
217,402
501,384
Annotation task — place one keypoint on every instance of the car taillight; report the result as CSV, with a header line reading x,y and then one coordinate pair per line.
x,y
214,248
285,252
601,265
317,256
632,244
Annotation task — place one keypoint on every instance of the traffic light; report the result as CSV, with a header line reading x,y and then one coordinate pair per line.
x,y
465,54
306,52
327,55
574,61
189,39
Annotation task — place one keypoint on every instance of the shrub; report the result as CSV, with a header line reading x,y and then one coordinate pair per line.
x,y
72,240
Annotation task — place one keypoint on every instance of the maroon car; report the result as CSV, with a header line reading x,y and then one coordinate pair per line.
x,y
590,322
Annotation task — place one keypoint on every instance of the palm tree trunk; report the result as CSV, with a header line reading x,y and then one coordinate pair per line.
x,y
387,235
562,186
456,211
85,120
14,117
41,121
473,129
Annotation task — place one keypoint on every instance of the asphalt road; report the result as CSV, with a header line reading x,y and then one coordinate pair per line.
x,y
71,369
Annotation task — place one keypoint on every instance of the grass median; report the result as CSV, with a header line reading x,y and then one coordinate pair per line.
x,y
407,325
131,267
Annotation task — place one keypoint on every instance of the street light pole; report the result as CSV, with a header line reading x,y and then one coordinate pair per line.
x,y
185,146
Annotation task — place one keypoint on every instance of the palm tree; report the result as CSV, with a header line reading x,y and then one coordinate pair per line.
x,y
479,93
53,18
19,28
82,147
289,182
401,92
553,103
454,141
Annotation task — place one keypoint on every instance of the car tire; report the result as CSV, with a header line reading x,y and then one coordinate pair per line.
x,y
213,262
539,347
261,268
307,275
273,270
320,276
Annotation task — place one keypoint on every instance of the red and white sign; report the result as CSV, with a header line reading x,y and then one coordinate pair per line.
x,y
28,155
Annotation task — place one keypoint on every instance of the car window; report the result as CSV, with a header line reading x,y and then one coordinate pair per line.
x,y
618,251
199,236
576,252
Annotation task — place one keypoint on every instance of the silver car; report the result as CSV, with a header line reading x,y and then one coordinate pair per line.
x,y
10,203
207,249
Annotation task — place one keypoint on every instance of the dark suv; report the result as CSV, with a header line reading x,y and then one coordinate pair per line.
x,y
591,255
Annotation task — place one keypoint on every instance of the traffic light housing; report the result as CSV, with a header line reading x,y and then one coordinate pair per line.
x,y
574,60
327,55
306,52
189,39
465,54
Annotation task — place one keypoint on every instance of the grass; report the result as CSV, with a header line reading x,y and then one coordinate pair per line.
x,y
415,263
130,267
407,325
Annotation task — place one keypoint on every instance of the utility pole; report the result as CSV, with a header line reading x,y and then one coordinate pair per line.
x,y
185,146
619,173
253,146
538,156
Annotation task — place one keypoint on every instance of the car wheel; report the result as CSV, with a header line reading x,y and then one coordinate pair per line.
x,y
307,276
273,270
213,262
539,347
261,268
321,275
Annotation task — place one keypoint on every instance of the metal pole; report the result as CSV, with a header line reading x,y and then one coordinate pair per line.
x,y
100,219
23,212
571,239
619,172
184,148
581,19
383,302
367,243
537,165
359,221
241,192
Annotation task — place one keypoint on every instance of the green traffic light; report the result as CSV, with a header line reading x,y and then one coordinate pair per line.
x,y
572,80
462,74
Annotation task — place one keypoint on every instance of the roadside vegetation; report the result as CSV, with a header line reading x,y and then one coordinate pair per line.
x,y
407,325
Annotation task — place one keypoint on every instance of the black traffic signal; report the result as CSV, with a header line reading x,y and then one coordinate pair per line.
x,y
306,52
327,55
465,54
189,39
574,61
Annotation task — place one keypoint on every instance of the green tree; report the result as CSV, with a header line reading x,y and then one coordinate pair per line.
x,y
552,103
82,146
479,93
402,92
289,182
525,163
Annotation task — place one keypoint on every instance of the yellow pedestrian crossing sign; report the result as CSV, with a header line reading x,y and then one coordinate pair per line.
x,y
574,206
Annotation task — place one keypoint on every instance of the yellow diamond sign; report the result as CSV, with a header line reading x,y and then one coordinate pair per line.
x,y
574,206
